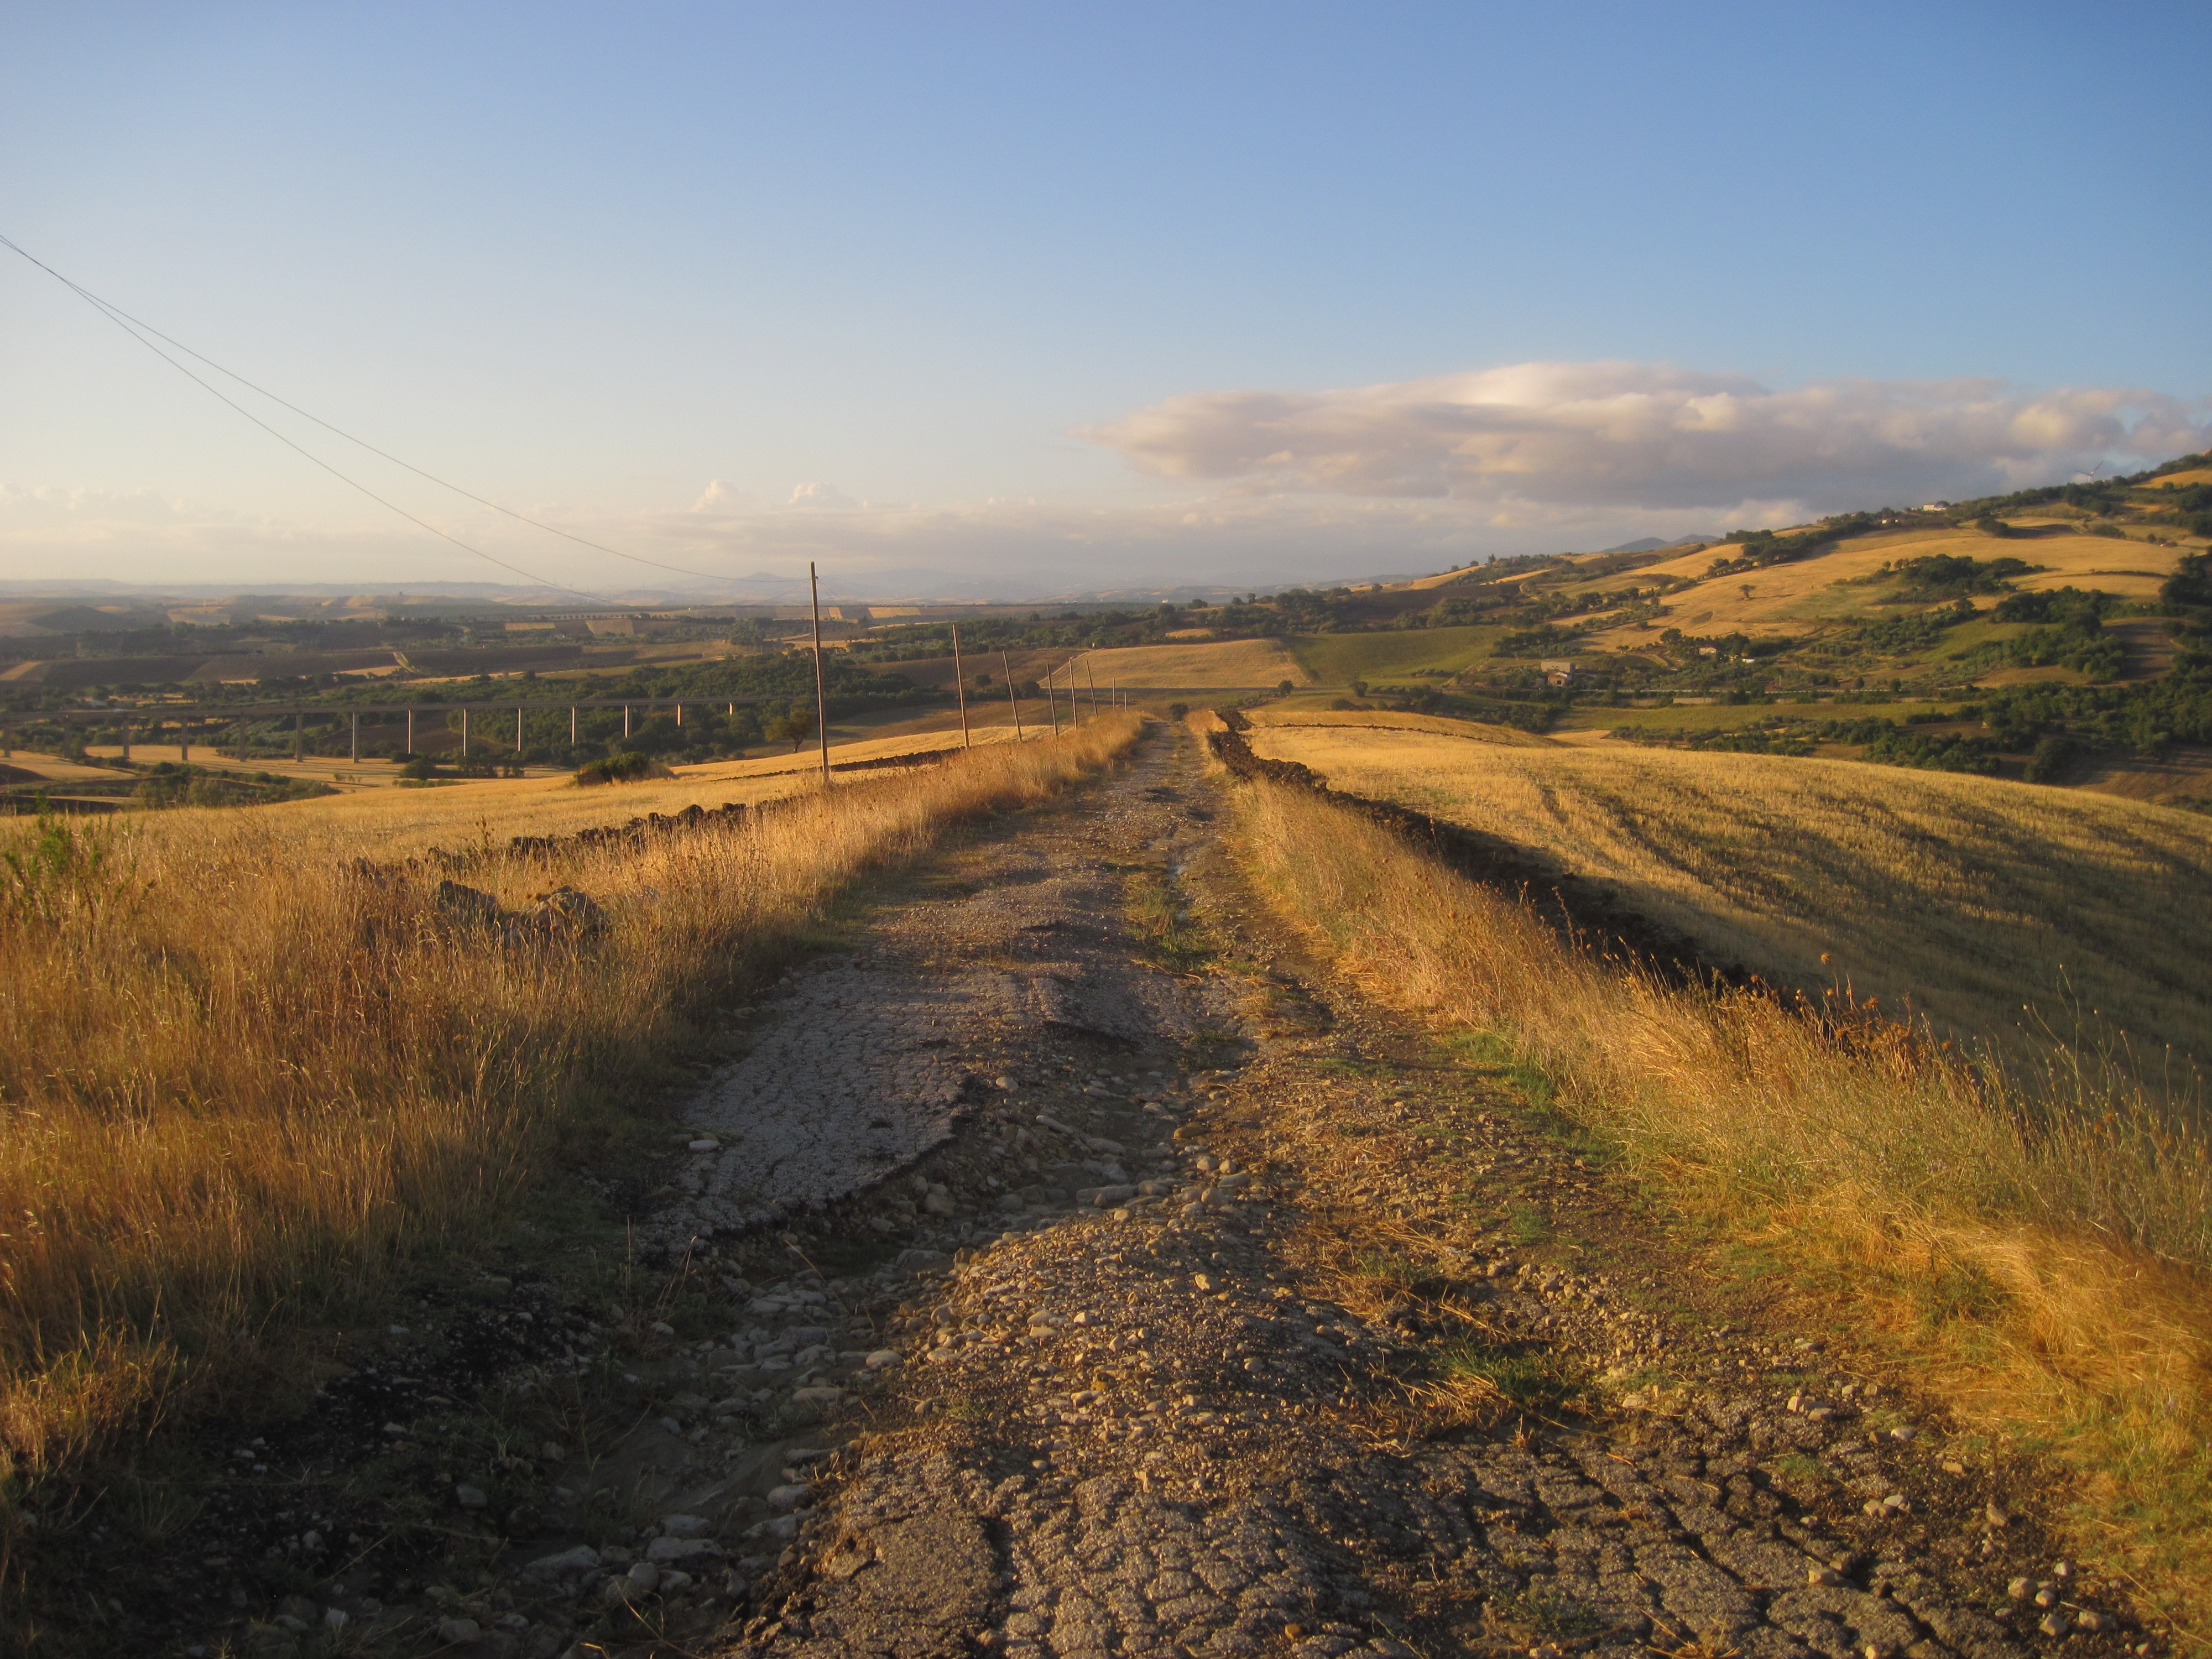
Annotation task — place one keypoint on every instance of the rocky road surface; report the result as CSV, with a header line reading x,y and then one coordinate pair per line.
x,y
1133,1302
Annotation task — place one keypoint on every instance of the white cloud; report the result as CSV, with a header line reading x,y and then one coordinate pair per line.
x,y
1651,435
718,497
1279,486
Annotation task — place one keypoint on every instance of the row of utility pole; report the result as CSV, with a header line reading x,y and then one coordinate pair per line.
x,y
1115,697
184,719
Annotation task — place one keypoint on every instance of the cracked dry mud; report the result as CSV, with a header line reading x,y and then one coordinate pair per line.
x,y
1224,1313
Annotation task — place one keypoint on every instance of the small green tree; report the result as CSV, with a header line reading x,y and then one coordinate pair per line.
x,y
2048,760
796,724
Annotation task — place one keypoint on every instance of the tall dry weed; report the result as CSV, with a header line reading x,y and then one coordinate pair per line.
x,y
237,1084
2044,1246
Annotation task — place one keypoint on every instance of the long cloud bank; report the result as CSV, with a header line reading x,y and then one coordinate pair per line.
x,y
1652,435
1414,476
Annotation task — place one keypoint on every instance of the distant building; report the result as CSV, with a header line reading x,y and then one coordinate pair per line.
x,y
1558,665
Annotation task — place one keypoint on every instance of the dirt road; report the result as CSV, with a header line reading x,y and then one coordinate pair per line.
x,y
1147,1290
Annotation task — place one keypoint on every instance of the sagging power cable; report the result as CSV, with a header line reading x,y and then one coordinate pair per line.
x,y
139,330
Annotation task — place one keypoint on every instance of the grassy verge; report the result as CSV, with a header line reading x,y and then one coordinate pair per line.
x,y
2044,1260
241,1086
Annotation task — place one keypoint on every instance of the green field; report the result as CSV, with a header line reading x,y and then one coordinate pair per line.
x,y
1339,659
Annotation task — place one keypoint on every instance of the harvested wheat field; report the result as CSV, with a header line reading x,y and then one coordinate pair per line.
x,y
1387,720
1230,663
988,722
1960,898
397,823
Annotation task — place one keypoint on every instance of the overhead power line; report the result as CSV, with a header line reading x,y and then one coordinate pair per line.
x,y
139,329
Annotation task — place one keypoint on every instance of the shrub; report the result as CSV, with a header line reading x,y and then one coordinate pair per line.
x,y
2049,760
621,768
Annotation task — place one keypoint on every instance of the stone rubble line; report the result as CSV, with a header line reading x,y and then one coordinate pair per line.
x,y
1097,1403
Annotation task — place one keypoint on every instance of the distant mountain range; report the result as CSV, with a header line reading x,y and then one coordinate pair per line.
x,y
887,586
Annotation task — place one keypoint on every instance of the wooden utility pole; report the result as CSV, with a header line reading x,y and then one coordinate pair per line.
x,y
353,751
821,694
1051,703
960,684
1008,671
1091,676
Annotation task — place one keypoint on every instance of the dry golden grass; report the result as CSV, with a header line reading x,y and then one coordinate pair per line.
x,y
940,735
1231,663
1784,597
1385,719
2195,475
397,823
2045,1264
1443,578
1963,897
238,1081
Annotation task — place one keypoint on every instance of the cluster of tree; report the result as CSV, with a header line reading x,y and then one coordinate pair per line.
x,y
1949,576
2187,593
167,783
1757,549
2101,497
1533,714
1882,741
2176,708
2070,634
1458,610
2190,507
1894,635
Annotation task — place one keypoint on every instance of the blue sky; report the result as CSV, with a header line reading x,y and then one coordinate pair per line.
x,y
1066,296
